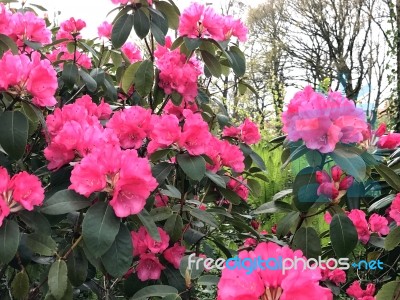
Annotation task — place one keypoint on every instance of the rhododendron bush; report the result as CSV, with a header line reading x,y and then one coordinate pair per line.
x,y
117,166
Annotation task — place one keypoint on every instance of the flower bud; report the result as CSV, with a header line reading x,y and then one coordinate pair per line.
x,y
381,130
328,189
322,176
346,183
336,172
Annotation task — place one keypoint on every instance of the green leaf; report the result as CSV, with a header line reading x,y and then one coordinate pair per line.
x,y
193,166
58,279
99,228
70,74
36,221
389,175
173,226
307,240
237,60
305,189
393,239
350,161
20,286
273,207
285,224
144,78
230,195
218,180
77,267
208,280
98,75
258,160
14,128
141,23
343,235
117,260
161,171
194,270
212,63
282,194
192,44
121,30
314,158
9,240
41,244
91,84
154,291
6,40
129,76
170,12
148,222
171,191
204,216
64,201
295,154
390,290
385,201
161,213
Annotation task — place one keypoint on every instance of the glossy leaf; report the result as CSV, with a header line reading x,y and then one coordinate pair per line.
x,y
58,278
350,162
141,23
63,202
343,235
9,240
144,78
307,240
14,128
305,189
77,264
154,291
193,166
121,29
148,222
41,244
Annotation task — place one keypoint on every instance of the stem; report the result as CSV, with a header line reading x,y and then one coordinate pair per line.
x,y
163,105
74,245
10,107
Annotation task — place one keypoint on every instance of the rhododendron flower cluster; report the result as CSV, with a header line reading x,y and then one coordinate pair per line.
x,y
122,174
22,191
322,122
23,76
23,26
389,141
336,187
268,284
177,73
358,293
144,246
104,30
247,133
238,185
75,130
132,52
375,224
70,29
199,21
337,276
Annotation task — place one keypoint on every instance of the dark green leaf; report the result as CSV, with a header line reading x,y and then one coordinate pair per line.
x,y
58,279
208,280
148,222
99,228
9,240
389,175
390,290
230,195
258,160
273,207
295,154
20,286
64,201
6,40
171,191
218,180
305,189
70,74
343,235
192,44
144,78
141,23
173,226
350,162
393,239
161,213
171,12
314,158
36,221
282,194
204,216
193,166
237,60
154,291
121,29
41,244
91,84
161,171
158,35
385,201
129,76
98,75
212,63
117,260
286,223
307,240
14,128
77,267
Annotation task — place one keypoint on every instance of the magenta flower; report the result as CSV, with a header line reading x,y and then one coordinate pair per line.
x,y
104,30
149,267
132,52
175,254
394,209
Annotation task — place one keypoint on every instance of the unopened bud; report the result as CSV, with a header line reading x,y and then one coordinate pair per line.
x,y
336,172
346,183
381,130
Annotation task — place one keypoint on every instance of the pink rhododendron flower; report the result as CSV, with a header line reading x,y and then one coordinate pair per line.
x,y
322,122
329,272
177,73
336,173
328,189
166,131
255,224
333,188
247,132
238,187
28,26
132,52
250,242
70,29
239,284
378,224
155,246
27,190
138,241
4,210
62,54
104,30
234,27
390,141
149,267
22,75
160,200
394,209
5,20
175,254
358,293
358,218
132,126
327,217
232,156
